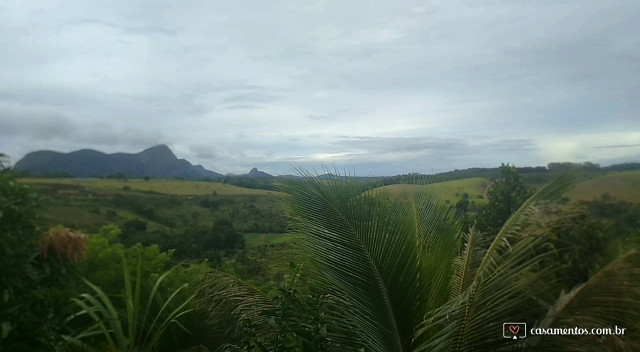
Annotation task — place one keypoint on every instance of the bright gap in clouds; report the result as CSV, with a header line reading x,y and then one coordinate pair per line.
x,y
374,87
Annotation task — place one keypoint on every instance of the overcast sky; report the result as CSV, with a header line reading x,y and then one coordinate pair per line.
x,y
372,87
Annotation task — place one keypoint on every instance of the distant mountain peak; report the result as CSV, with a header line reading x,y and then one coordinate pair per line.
x,y
159,151
257,173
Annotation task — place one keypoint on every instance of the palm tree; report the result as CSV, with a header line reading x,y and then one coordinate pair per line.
x,y
405,277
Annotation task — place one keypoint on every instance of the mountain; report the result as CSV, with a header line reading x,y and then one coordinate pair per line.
x,y
158,162
255,173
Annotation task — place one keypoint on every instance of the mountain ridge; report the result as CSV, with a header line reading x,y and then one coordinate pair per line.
x,y
158,161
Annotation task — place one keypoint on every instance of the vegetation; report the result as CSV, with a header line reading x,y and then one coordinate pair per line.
x,y
448,292
31,281
158,218
448,191
174,187
506,194
623,185
395,268
143,330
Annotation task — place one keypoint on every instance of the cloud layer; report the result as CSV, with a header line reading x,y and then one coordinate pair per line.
x,y
372,87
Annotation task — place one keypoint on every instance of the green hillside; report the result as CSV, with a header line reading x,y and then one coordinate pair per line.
x,y
164,205
447,191
622,185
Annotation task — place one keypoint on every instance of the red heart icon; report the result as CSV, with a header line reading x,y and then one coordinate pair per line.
x,y
514,329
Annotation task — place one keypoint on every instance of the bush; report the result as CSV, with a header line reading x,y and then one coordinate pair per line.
x,y
31,283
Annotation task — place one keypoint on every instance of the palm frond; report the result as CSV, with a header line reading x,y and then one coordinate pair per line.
x,y
438,231
369,252
466,265
550,193
496,284
610,298
224,296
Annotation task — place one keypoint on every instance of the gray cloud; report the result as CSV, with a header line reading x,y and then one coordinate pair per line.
x,y
241,107
379,87
204,151
617,146
35,124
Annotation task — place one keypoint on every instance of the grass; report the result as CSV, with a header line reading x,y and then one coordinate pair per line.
x,y
622,185
274,252
173,187
252,240
166,205
447,191
82,218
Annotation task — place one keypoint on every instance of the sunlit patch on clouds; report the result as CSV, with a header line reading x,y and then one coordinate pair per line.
x,y
593,147
374,87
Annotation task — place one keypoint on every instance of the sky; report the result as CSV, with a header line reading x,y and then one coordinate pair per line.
x,y
368,87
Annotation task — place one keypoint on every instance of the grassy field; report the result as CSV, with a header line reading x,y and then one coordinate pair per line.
x,y
165,205
447,191
173,187
273,252
252,240
622,185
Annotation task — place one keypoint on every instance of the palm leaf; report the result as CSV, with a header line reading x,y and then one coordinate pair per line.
x,y
610,298
466,265
369,252
496,284
225,296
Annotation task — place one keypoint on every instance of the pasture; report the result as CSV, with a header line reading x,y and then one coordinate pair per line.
x,y
172,187
449,191
623,185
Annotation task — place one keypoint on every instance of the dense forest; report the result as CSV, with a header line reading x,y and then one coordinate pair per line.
x,y
358,270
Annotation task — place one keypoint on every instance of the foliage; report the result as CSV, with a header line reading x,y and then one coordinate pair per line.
x,y
204,243
196,227
589,235
623,185
356,245
388,272
560,167
142,329
157,186
64,243
4,159
403,283
506,194
610,295
30,284
104,259
104,265
292,321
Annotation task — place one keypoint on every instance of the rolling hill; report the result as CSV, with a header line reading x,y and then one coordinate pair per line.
x,y
621,185
447,191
